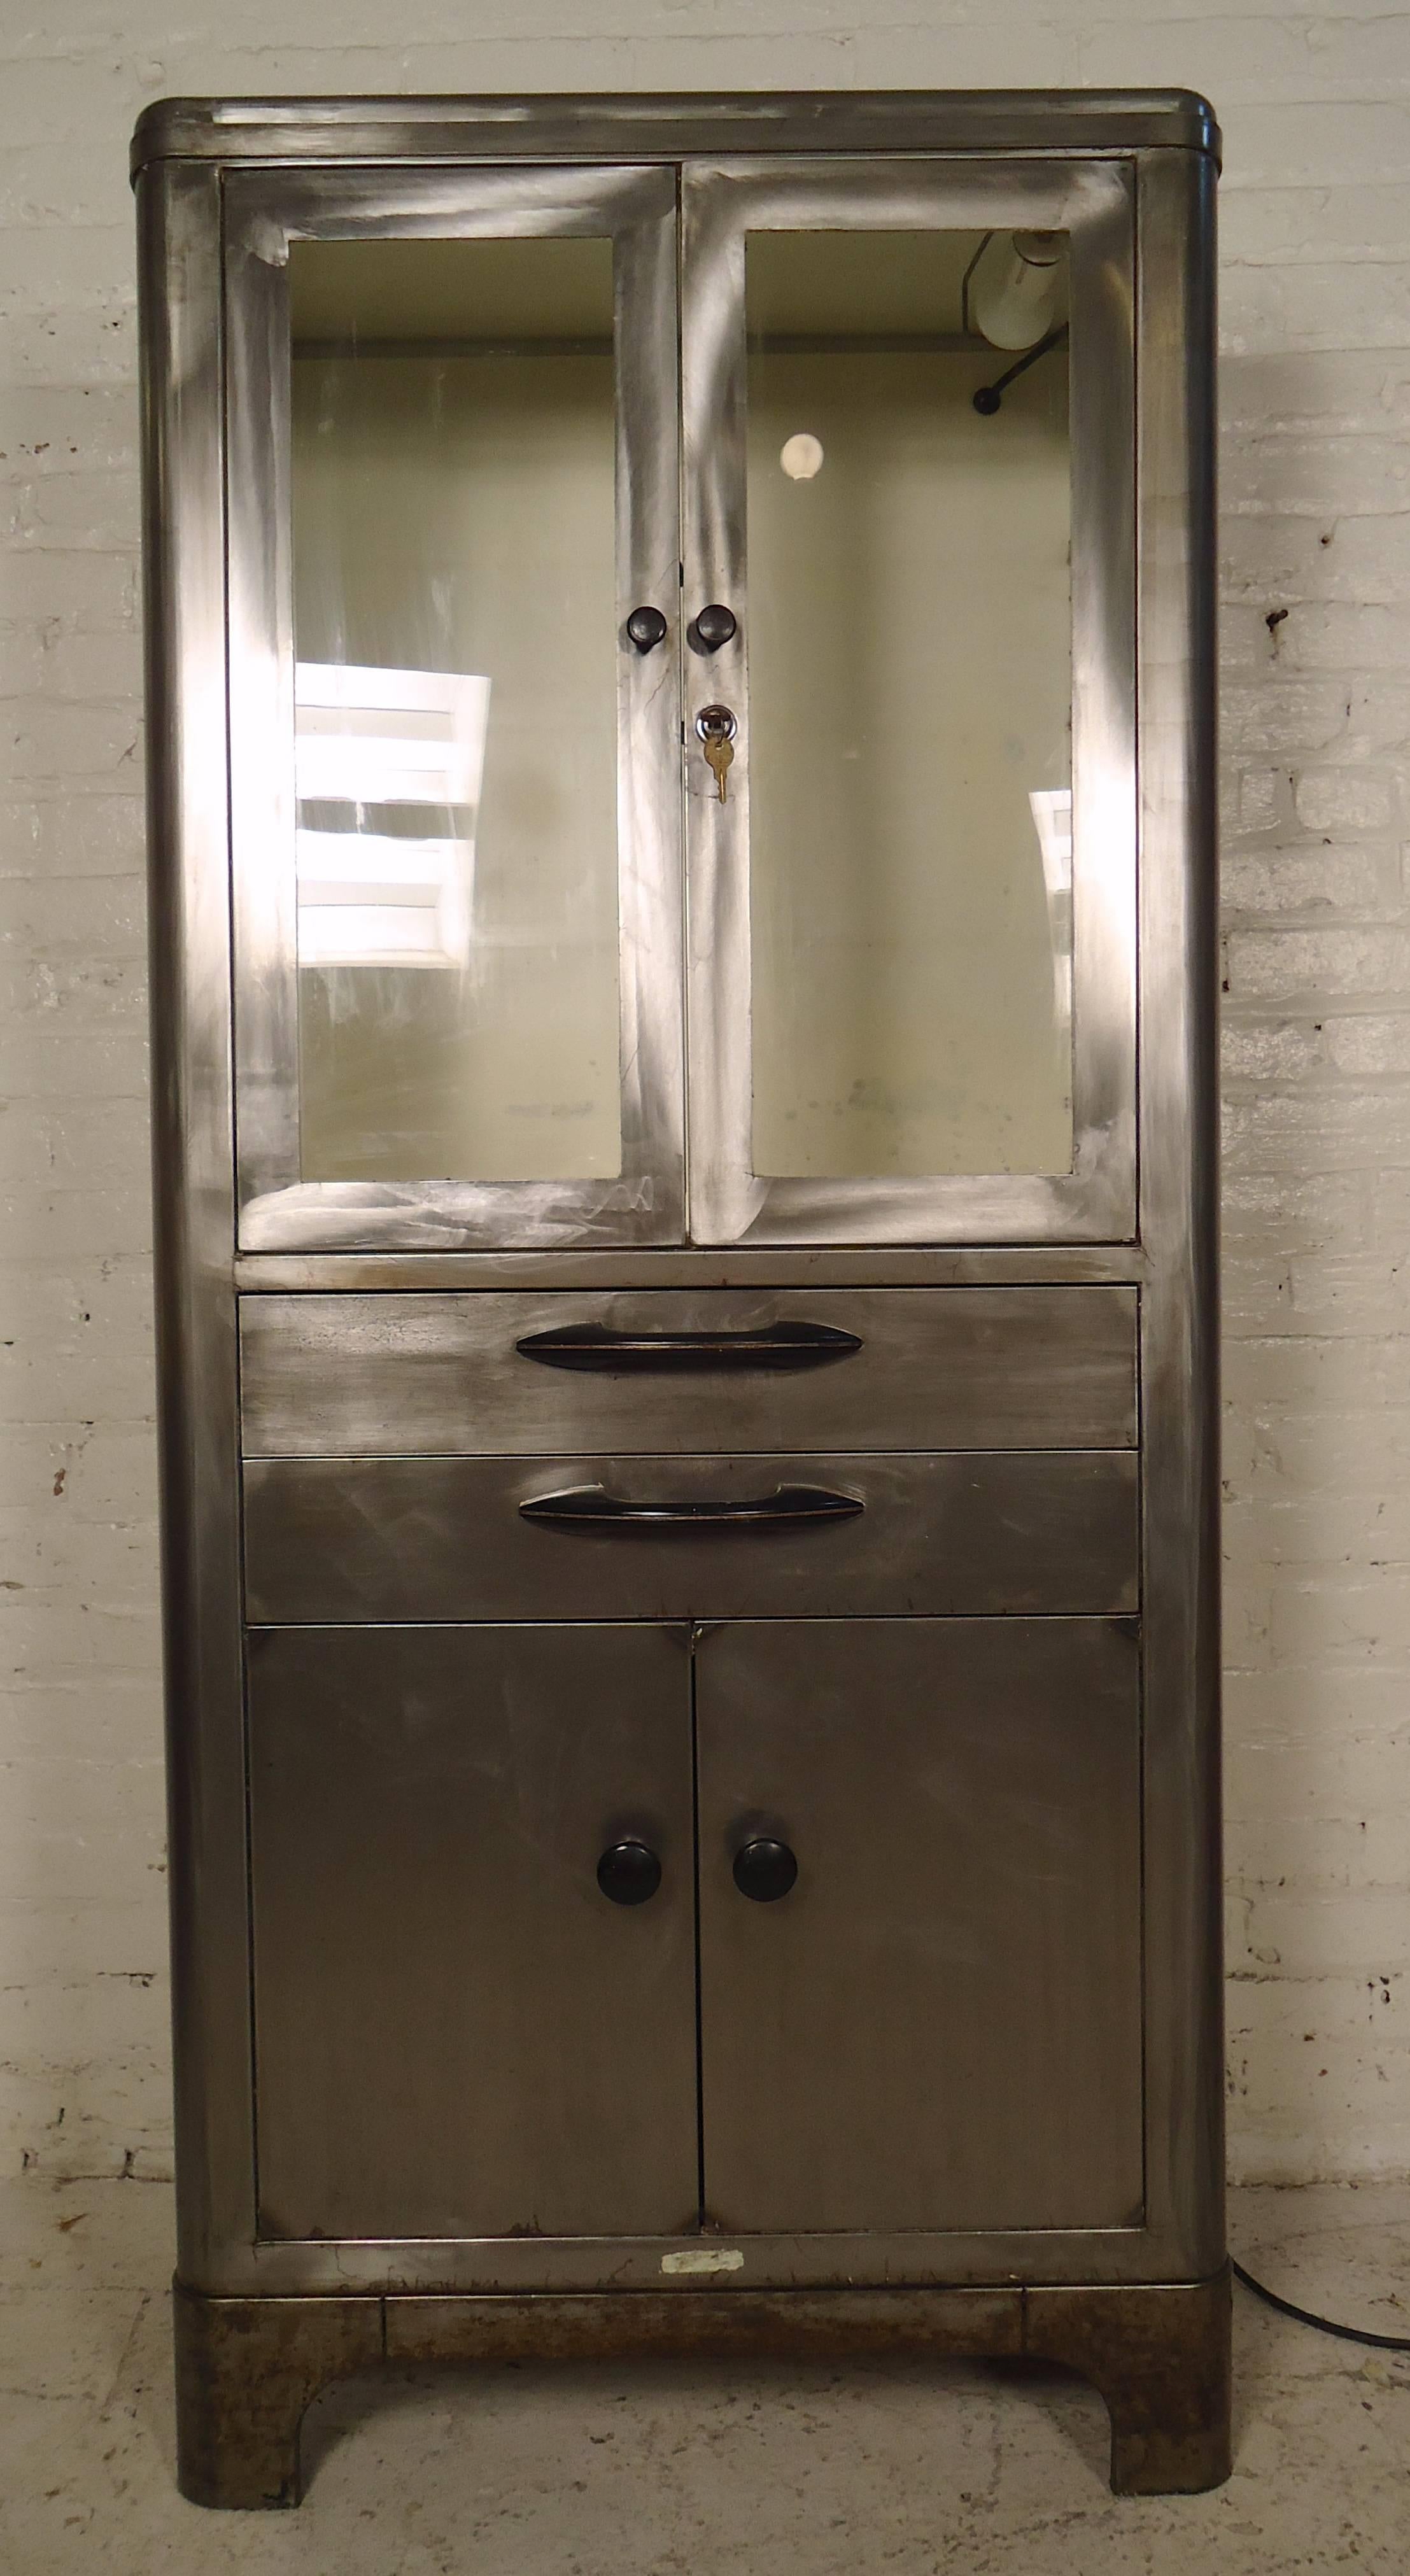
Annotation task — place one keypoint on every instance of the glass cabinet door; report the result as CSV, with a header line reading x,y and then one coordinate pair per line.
x,y
909,715
452,481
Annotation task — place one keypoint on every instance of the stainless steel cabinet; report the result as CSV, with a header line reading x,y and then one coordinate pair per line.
x,y
680,675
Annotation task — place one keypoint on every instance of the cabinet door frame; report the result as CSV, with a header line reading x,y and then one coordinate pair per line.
x,y
1093,202
264,212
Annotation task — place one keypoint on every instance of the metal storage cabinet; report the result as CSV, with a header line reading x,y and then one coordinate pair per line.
x,y
683,878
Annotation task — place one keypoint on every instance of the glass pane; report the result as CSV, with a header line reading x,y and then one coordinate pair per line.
x,y
455,693
909,706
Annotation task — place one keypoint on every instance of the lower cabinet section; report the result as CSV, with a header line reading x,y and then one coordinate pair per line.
x,y
456,2033
477,1997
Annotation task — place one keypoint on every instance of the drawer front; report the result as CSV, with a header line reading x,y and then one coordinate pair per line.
x,y
423,1539
709,1370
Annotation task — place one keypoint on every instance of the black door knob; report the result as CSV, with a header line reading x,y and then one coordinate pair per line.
x,y
764,1869
646,627
714,626
628,1873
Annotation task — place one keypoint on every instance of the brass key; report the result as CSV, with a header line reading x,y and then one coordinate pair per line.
x,y
716,728
719,751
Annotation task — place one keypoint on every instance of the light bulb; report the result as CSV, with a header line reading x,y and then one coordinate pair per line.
x,y
801,456
1013,288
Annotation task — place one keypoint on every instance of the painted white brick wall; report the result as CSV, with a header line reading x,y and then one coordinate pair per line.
x,y
1316,557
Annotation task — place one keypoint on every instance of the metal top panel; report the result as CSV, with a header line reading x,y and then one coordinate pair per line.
x,y
662,126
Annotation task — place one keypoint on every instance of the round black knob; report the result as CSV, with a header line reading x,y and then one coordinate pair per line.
x,y
764,1869
646,627
714,626
628,1873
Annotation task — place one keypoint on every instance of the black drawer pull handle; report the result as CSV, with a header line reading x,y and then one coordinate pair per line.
x,y
772,1346
591,1507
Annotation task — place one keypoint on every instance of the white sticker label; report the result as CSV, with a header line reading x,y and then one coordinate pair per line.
x,y
705,2258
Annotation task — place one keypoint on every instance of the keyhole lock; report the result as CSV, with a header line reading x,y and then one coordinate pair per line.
x,y
717,727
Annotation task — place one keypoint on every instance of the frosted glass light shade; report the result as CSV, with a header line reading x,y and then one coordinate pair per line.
x,y
1013,290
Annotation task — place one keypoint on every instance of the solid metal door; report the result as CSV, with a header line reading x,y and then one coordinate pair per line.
x,y
458,2034
938,2025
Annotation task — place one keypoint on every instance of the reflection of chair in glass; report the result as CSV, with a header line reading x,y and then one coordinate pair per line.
x,y
377,751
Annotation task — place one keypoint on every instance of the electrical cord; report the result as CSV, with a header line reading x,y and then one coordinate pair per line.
x,y
1324,2325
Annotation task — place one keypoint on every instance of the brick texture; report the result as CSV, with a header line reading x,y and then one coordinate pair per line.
x,y
1315,546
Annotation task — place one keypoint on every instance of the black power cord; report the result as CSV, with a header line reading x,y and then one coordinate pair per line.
x,y
1324,2325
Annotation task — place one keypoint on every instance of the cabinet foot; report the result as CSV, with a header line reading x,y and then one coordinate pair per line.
x,y
246,2372
247,2369
1159,2356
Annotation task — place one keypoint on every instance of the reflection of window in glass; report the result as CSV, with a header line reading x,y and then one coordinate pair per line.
x,y
1052,817
455,623
377,756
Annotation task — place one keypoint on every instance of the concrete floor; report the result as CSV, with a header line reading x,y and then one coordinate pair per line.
x,y
644,2472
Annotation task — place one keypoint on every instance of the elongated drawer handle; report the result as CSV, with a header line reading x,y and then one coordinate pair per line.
x,y
592,1507
772,1346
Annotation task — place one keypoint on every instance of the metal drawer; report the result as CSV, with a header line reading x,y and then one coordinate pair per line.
x,y
710,1370
411,1539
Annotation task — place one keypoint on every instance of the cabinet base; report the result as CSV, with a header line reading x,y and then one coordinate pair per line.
x,y
247,2369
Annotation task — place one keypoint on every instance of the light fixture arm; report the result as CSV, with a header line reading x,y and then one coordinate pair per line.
x,y
989,398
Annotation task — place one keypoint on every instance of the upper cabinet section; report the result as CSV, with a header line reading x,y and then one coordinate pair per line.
x,y
683,708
